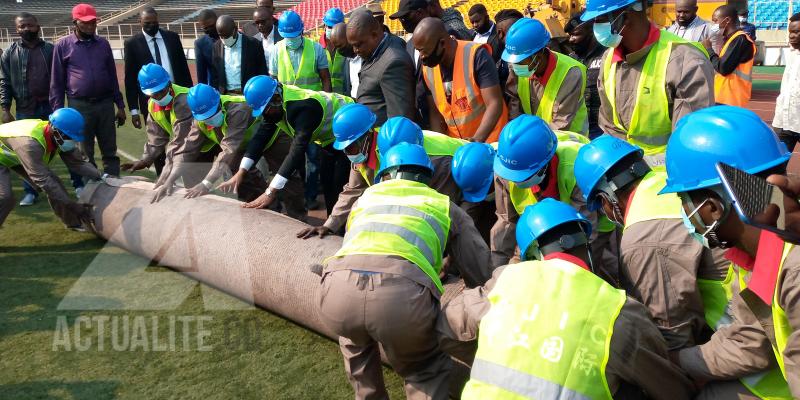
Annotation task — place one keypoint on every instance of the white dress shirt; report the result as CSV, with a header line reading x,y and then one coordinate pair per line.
x,y
483,37
267,43
233,64
696,31
787,106
162,48
355,68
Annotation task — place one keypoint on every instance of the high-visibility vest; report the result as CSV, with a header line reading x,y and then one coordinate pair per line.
x,y
437,144
648,205
650,125
548,343
330,102
400,218
307,76
208,131
580,122
336,68
32,128
161,118
464,112
779,319
735,88
717,298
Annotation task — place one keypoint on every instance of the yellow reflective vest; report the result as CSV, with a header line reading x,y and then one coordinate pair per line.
x,y
336,68
330,102
306,76
209,133
32,128
165,119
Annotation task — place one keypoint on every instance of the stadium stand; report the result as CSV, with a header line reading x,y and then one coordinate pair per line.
x,y
766,14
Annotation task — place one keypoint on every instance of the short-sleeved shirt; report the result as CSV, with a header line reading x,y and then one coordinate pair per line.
x,y
321,59
485,73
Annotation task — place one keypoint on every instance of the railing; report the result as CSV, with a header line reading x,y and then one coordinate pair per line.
x,y
117,13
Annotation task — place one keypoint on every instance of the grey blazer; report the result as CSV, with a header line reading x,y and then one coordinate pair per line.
x,y
387,81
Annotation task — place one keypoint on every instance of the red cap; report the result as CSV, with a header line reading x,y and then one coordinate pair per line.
x,y
84,12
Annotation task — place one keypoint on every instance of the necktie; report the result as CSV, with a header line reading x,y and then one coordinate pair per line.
x,y
157,51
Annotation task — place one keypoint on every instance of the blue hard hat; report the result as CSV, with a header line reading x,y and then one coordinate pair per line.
x,y
543,216
526,37
404,154
596,8
290,25
595,160
333,16
732,135
525,146
153,78
350,123
258,92
472,170
203,101
398,130
69,121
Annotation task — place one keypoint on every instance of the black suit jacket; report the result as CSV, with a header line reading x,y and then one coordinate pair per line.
x,y
253,62
137,54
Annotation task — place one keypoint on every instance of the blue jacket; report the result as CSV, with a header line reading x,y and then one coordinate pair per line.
x,y
203,53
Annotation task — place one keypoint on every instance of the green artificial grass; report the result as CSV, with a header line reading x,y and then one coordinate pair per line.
x,y
253,354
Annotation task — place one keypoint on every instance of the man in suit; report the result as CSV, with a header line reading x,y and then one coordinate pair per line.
x,y
207,21
267,30
485,29
152,45
387,72
250,28
236,58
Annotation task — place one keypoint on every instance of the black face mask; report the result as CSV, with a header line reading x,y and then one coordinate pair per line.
x,y
346,52
433,59
485,28
212,32
29,36
84,36
150,29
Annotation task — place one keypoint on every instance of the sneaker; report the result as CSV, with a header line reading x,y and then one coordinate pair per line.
x,y
77,228
78,191
28,200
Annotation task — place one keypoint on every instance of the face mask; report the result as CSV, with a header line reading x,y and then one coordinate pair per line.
x,y
229,42
433,59
294,43
328,32
359,158
84,36
212,32
521,70
536,179
215,120
346,52
164,100
742,19
693,231
29,36
67,145
604,36
714,29
150,29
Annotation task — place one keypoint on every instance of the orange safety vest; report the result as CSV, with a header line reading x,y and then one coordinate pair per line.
x,y
735,88
464,112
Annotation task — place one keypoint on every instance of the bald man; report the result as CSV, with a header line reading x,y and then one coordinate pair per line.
x,y
236,58
387,72
687,24
463,88
352,63
734,65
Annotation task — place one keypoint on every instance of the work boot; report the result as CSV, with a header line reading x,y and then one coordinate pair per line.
x,y
28,200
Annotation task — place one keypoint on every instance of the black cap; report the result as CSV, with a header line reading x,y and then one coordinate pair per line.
x,y
407,6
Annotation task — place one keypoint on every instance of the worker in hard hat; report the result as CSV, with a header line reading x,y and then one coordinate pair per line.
x,y
544,83
550,328
169,118
356,137
336,61
533,162
382,288
766,352
615,179
221,128
28,145
650,77
305,115
297,60
472,169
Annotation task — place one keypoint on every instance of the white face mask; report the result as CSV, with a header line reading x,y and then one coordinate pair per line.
x,y
714,29
68,145
357,158
215,120
229,42
164,100
534,180
328,32
742,19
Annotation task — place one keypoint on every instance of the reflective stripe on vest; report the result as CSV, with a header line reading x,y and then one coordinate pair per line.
x,y
735,89
161,118
32,128
210,133
336,68
401,218
648,205
330,103
307,76
718,306
779,318
549,343
365,172
580,122
464,112
437,144
650,125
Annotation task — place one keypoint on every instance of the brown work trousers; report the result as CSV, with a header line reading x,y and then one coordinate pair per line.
x,y
370,311
7,201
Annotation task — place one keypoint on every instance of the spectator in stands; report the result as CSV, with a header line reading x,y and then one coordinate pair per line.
x,y
485,29
236,58
84,69
734,65
787,107
687,24
267,30
377,12
387,72
152,45
207,20
285,59
464,102
25,78
747,27
589,52
250,28
352,63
